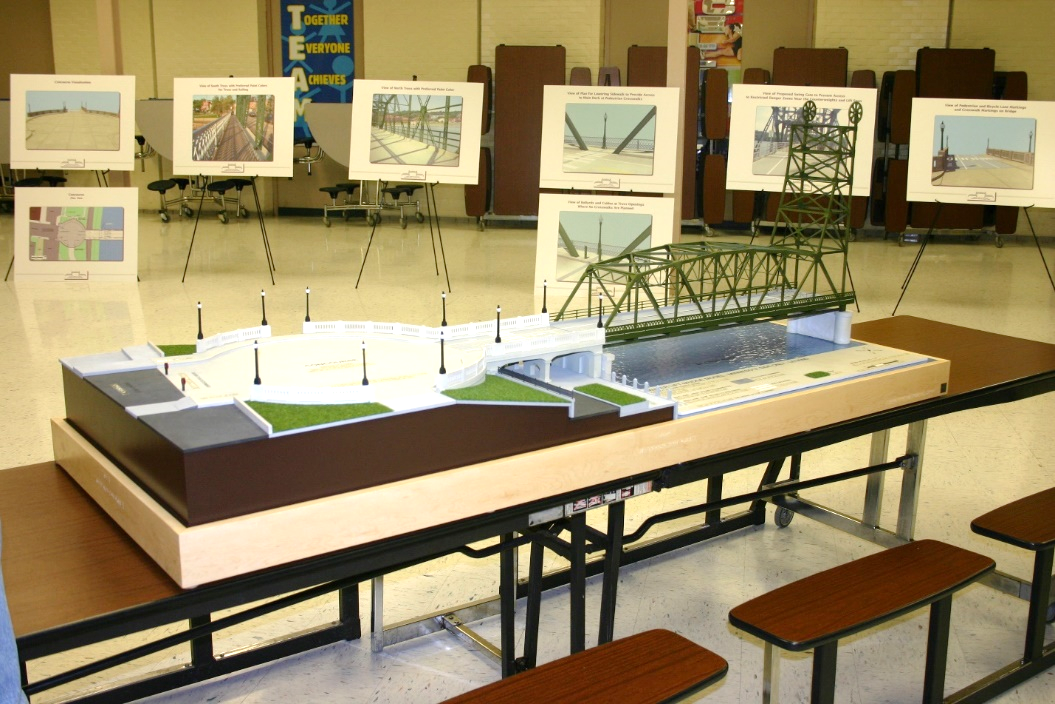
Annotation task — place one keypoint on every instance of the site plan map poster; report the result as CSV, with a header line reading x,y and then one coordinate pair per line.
x,y
76,234
73,123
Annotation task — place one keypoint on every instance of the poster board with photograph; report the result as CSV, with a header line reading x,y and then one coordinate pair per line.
x,y
605,138
73,123
573,228
426,131
987,152
232,126
71,234
761,116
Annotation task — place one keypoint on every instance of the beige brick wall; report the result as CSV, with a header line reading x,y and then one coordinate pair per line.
x,y
1021,33
434,41
577,26
882,35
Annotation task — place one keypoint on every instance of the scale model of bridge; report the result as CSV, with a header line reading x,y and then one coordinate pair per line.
x,y
803,268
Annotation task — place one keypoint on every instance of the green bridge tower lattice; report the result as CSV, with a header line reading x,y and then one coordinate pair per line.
x,y
802,269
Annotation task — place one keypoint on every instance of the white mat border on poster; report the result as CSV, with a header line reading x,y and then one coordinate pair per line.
x,y
113,197
551,205
183,92
554,102
123,159
748,97
924,112
467,172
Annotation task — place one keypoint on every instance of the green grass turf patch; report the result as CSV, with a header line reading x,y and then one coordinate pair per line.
x,y
283,416
607,393
494,388
177,350
817,375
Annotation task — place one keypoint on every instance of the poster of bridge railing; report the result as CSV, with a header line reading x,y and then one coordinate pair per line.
x,y
72,122
233,126
991,152
427,131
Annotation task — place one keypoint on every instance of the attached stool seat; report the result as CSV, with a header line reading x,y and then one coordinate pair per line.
x,y
817,611
34,182
218,190
650,667
396,193
161,187
54,180
239,184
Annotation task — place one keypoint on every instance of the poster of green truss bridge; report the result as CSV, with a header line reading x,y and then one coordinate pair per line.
x,y
68,234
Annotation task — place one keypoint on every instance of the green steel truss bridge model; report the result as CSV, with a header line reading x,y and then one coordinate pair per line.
x,y
803,268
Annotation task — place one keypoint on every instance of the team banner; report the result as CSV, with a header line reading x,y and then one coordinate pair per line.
x,y
318,53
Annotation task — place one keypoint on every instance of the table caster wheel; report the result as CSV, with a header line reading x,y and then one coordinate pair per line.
x,y
186,211
999,241
164,217
403,222
419,217
223,218
326,222
783,517
243,213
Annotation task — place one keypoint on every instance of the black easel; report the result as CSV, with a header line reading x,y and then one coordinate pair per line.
x,y
263,232
430,200
930,231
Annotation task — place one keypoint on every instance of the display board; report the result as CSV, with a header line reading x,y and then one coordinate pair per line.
x,y
72,122
760,124
989,152
70,234
572,229
609,138
425,131
232,126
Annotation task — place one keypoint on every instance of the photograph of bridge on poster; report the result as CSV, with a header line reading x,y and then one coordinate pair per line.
x,y
589,238
772,131
73,120
609,138
983,152
416,128
233,128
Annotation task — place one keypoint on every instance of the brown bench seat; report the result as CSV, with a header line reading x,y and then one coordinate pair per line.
x,y
817,611
1027,523
654,666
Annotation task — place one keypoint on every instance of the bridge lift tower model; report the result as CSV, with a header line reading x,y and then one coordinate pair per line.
x,y
803,269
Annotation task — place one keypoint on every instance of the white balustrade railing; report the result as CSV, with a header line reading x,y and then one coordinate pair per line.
x,y
226,338
311,395
461,377
205,138
450,332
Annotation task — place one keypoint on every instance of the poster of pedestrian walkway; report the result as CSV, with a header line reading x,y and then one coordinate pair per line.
x,y
992,152
426,131
575,231
70,234
760,124
232,126
609,138
73,122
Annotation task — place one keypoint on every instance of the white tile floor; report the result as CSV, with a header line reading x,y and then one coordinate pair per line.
x,y
974,461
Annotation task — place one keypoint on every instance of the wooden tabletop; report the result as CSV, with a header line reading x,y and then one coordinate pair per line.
x,y
64,560
979,359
